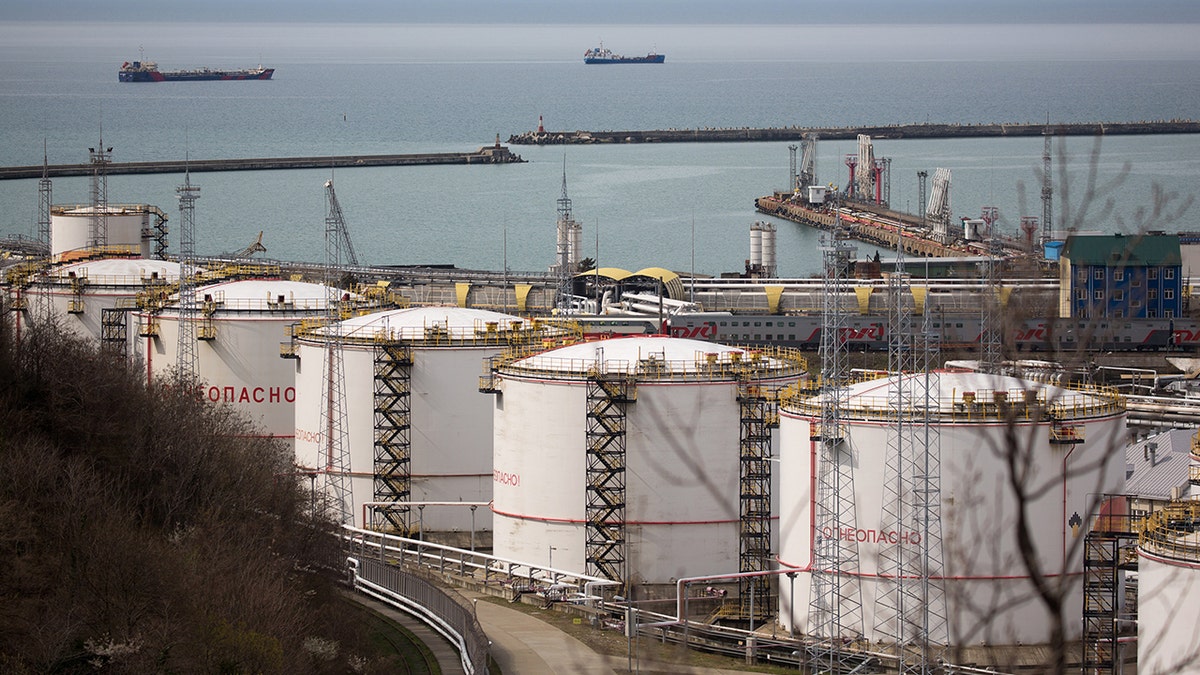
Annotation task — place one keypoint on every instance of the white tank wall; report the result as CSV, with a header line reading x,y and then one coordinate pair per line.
x,y
450,432
71,230
978,516
682,477
241,367
1168,614
86,324
109,281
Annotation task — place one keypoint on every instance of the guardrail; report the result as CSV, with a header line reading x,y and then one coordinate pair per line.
x,y
380,566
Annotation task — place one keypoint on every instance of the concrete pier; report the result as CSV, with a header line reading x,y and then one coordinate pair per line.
x,y
895,131
488,154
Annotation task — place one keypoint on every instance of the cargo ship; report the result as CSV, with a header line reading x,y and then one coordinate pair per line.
x,y
602,55
147,71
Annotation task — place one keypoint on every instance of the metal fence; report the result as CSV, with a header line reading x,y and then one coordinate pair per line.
x,y
446,612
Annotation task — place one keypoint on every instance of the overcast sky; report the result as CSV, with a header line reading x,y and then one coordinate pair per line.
x,y
610,11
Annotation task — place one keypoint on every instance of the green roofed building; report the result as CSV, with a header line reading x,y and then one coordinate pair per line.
x,y
1121,277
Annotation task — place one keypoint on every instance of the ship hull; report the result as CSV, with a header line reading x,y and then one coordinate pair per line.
x,y
194,76
651,58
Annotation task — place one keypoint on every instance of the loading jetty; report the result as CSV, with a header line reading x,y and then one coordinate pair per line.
x,y
488,154
895,131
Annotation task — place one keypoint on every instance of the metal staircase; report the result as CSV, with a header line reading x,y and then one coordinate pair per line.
x,y
392,480
759,413
608,395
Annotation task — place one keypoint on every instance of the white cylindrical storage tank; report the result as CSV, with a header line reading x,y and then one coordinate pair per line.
x,y
128,226
768,249
436,371
79,292
1168,609
1073,441
679,448
240,326
756,256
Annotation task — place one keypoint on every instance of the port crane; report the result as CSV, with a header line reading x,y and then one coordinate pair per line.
x,y
337,220
255,246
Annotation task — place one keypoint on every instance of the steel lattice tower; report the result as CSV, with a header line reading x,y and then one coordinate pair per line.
x,y
990,309
835,603
567,235
45,205
188,360
99,158
333,413
1047,191
911,600
895,605
927,492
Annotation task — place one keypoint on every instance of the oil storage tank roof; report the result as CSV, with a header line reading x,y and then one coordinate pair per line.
x,y
133,270
438,326
659,357
273,294
968,396
258,288
452,319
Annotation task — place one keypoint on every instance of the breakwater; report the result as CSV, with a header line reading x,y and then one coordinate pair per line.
x,y
895,131
491,154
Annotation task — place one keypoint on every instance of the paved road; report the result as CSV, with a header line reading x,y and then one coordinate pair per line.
x,y
525,645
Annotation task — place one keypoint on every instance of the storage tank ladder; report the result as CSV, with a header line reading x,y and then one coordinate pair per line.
x,y
392,475
759,414
159,233
1110,548
835,598
608,395
114,329
78,281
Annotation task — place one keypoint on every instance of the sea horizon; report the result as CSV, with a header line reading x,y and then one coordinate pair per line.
x,y
454,88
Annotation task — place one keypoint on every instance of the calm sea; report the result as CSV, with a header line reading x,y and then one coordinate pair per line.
x,y
346,89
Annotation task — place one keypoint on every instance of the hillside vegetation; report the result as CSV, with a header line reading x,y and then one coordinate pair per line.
x,y
142,530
